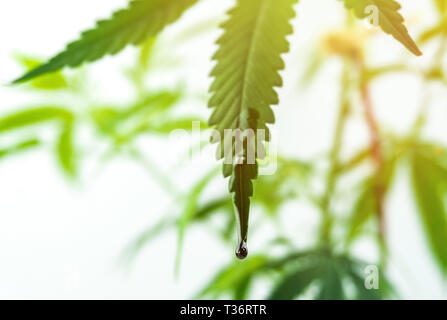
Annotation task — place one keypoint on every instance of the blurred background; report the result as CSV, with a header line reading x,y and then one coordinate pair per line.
x,y
99,202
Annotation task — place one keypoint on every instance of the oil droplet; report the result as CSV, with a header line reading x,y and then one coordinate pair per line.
x,y
242,251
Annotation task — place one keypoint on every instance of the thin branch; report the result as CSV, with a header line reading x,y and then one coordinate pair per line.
x,y
331,180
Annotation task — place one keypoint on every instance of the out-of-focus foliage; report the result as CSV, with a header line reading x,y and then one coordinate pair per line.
x,y
388,17
316,274
429,174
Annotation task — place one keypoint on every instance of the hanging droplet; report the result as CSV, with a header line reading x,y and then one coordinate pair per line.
x,y
242,251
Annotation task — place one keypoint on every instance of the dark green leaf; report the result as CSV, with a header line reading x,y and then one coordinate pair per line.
x,y
246,74
66,150
331,286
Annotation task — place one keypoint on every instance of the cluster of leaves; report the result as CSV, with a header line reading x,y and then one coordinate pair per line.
x,y
315,274
150,112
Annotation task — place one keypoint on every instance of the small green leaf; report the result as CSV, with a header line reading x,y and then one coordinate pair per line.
x,y
331,286
235,279
20,147
389,19
294,284
441,5
364,209
430,187
66,150
191,208
440,29
365,206
207,209
33,116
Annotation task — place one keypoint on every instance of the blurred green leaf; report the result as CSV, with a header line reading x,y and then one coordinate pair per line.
x,y
169,126
124,124
105,119
365,206
66,150
235,279
272,191
202,214
312,68
147,49
357,278
440,29
430,187
294,284
364,209
191,208
355,161
33,116
441,5
373,73
317,273
207,209
20,147
331,287
135,247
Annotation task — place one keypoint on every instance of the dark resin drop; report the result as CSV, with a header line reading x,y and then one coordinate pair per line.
x,y
242,252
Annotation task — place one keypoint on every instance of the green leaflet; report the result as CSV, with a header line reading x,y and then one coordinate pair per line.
x,y
53,81
143,18
389,19
66,150
246,74
430,188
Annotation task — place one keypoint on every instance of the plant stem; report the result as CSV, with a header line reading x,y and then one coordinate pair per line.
x,y
331,180
376,152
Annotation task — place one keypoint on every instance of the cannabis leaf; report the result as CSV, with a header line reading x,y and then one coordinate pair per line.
x,y
389,19
248,62
143,18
